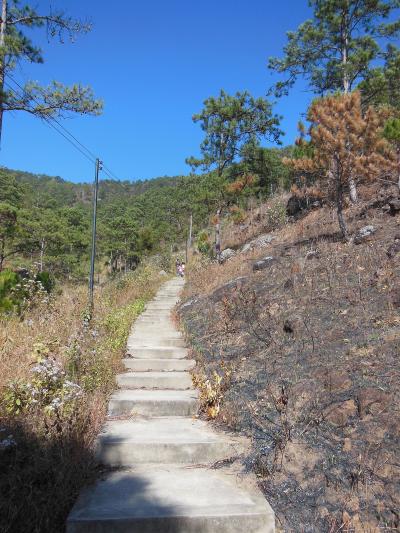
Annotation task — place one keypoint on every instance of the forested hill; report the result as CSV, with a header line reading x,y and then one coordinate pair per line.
x,y
45,189
47,220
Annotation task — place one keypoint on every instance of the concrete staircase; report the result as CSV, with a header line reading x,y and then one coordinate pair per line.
x,y
163,483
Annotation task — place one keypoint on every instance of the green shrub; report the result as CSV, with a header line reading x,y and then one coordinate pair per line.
x,y
203,243
47,281
118,322
8,280
48,390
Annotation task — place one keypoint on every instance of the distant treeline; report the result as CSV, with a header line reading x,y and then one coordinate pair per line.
x,y
46,221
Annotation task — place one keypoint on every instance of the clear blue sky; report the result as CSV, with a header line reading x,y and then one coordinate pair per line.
x,y
153,63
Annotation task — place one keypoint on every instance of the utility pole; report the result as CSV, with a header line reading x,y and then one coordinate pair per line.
x,y
94,221
190,229
3,29
189,240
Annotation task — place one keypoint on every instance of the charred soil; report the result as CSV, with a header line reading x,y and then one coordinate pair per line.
x,y
307,350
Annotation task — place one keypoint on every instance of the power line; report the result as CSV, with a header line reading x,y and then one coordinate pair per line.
x,y
72,139
90,153
51,125
109,172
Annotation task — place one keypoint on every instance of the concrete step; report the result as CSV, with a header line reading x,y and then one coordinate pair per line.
x,y
168,302
155,380
149,331
169,499
153,332
160,311
153,403
162,440
158,353
162,316
165,298
160,306
159,365
146,320
151,342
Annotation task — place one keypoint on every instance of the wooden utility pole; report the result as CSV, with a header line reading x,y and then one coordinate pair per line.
x,y
190,229
218,234
94,222
3,28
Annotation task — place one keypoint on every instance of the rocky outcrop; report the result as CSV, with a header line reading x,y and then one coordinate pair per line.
x,y
226,254
363,233
258,243
263,263
297,206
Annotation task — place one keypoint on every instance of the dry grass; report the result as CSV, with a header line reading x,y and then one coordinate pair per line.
x,y
260,218
312,342
316,228
53,457
51,324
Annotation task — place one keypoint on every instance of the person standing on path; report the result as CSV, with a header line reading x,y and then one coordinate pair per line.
x,y
177,266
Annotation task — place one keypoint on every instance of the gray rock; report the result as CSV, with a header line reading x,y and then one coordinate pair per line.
x,y
394,249
363,233
394,205
311,254
226,254
189,303
259,242
162,273
263,263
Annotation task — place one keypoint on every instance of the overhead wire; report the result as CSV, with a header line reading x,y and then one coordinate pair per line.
x,y
64,132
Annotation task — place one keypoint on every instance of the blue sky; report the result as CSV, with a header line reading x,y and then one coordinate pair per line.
x,y
153,63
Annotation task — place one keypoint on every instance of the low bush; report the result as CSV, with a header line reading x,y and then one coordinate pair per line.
x,y
8,280
19,293
203,243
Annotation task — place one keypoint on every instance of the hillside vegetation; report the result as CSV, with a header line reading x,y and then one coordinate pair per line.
x,y
46,221
296,337
57,369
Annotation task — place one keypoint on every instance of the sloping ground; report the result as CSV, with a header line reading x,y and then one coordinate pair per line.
x,y
308,349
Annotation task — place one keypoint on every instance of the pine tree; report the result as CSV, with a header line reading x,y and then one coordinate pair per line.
x,y
232,123
335,50
346,142
16,46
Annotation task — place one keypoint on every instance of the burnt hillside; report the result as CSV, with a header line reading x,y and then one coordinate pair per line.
x,y
304,333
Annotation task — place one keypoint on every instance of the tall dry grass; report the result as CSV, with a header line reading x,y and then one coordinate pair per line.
x,y
45,460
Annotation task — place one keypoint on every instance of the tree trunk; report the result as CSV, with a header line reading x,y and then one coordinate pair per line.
x,y
339,207
190,230
3,26
353,190
218,235
346,90
2,254
42,246
398,166
345,50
